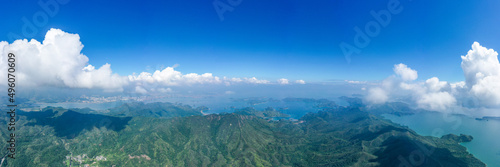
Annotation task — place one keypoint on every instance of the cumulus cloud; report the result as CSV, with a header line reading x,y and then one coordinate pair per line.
x,y
436,101
432,94
482,74
434,85
405,73
283,81
481,88
302,82
377,95
141,90
170,77
57,61
254,80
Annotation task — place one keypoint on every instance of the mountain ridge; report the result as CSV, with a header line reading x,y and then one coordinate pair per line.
x,y
340,136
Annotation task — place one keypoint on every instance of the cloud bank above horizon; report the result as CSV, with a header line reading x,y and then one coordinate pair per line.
x,y
481,88
57,61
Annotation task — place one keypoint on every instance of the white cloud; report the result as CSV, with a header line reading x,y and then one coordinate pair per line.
x,y
58,62
480,90
377,96
436,101
170,77
434,85
300,82
431,94
229,92
139,89
482,74
355,82
254,80
283,81
405,73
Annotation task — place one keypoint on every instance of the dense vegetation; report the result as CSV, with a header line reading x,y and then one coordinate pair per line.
x,y
157,109
165,134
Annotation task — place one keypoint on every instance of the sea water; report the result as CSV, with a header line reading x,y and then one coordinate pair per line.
x,y
486,143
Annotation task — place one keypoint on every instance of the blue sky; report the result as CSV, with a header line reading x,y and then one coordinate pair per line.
x,y
269,39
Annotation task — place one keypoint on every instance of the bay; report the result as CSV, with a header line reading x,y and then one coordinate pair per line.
x,y
485,145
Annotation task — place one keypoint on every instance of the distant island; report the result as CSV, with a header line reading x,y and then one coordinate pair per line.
x,y
488,118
